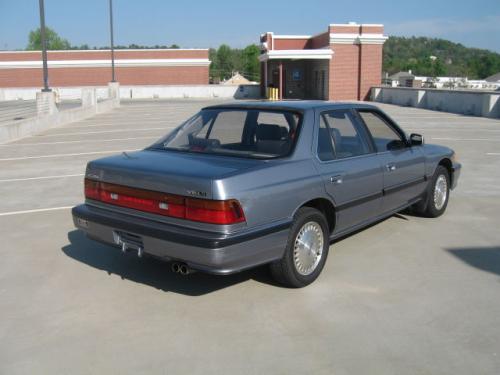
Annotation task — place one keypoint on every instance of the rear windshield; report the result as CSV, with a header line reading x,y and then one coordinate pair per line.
x,y
250,133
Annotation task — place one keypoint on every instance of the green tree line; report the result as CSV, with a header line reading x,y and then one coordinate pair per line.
x,y
450,59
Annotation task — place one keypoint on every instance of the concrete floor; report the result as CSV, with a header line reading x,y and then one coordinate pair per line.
x,y
406,296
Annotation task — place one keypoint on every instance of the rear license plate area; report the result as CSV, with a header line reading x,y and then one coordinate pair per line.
x,y
129,242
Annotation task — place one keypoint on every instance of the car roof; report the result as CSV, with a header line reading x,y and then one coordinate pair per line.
x,y
290,105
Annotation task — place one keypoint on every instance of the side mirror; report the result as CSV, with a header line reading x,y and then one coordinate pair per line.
x,y
416,139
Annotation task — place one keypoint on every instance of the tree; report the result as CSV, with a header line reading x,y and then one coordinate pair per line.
x,y
224,61
251,65
52,40
452,59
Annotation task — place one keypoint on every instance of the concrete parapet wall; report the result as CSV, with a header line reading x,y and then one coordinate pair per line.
x,y
481,103
251,91
14,130
190,91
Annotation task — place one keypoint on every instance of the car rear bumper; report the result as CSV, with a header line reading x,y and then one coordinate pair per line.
x,y
455,174
205,251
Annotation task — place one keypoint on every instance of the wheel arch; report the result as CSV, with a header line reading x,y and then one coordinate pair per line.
x,y
326,207
446,162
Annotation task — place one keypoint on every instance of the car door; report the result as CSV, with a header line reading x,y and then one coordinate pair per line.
x,y
404,166
351,173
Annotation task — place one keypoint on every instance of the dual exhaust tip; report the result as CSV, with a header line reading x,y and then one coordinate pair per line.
x,y
181,268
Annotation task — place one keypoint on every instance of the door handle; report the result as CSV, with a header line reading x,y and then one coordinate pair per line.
x,y
336,180
391,167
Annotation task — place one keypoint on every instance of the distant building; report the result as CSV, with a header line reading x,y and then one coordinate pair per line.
x,y
407,79
93,67
495,78
341,63
404,79
236,79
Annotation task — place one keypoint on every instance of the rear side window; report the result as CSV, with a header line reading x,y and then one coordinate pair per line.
x,y
339,137
229,127
384,136
251,133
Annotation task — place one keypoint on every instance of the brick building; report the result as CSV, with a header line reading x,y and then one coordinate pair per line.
x,y
341,63
93,67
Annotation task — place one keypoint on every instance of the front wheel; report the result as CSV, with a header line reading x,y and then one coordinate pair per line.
x,y
306,250
437,195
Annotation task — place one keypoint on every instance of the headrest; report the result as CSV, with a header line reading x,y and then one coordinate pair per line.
x,y
337,138
268,132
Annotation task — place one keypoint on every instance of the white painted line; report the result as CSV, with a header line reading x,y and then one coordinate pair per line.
x,y
42,177
35,211
493,153
83,141
65,155
453,130
467,139
112,125
102,131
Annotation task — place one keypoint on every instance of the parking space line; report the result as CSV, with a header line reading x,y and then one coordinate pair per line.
x,y
113,125
453,130
493,153
35,211
467,139
81,141
102,131
42,177
65,155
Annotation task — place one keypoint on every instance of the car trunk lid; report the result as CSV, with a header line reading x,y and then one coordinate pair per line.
x,y
181,173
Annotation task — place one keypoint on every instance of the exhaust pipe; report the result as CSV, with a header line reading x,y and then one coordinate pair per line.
x,y
184,270
181,268
175,267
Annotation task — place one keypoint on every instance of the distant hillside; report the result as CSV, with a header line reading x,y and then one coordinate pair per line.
x,y
450,59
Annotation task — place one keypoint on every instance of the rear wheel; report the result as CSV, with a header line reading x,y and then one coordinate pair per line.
x,y
437,195
306,250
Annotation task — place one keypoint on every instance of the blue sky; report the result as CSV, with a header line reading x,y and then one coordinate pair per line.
x,y
201,24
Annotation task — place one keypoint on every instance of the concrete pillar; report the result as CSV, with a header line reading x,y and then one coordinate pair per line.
x,y
420,99
46,103
491,105
114,90
376,95
89,97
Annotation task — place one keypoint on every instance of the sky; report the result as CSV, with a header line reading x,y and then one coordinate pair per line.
x,y
203,24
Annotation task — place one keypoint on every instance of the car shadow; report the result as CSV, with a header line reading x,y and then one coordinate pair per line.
x,y
484,258
151,271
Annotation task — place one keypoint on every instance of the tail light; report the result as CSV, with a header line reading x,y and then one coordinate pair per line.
x,y
202,210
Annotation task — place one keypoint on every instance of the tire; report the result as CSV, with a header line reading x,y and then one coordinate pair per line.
x,y
434,204
301,265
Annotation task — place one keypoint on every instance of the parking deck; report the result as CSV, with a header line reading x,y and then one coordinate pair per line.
x,y
407,295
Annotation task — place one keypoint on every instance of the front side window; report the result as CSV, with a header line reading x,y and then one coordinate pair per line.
x,y
250,133
339,137
384,136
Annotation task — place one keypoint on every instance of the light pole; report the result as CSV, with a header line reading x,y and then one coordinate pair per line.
x,y
111,34
44,47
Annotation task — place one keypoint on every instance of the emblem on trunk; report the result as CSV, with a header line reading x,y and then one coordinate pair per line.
x,y
195,193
